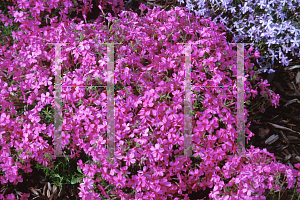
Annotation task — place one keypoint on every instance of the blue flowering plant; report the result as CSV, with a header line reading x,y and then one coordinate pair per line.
x,y
272,26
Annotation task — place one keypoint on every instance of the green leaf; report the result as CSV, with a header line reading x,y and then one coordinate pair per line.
x,y
79,170
56,175
81,37
74,180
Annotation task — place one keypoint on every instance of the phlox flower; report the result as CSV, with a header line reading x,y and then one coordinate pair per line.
x,y
140,181
65,138
157,151
23,4
45,98
25,196
120,180
89,170
39,6
129,159
87,183
256,54
148,103
11,197
18,16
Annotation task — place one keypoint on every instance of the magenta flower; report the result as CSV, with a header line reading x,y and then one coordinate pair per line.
x,y
214,123
120,180
11,197
65,138
89,127
45,98
89,171
87,183
219,154
35,86
18,16
39,6
139,182
256,54
24,196
4,118
27,168
205,116
148,103
23,4
129,159
157,151
172,114
251,49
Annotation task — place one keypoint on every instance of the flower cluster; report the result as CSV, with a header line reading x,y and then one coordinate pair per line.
x,y
149,78
273,26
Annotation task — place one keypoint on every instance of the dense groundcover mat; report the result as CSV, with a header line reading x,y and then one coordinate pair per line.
x,y
149,76
272,26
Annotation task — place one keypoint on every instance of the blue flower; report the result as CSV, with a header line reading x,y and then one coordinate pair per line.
x,y
236,24
262,4
286,49
291,6
273,54
287,38
245,8
272,3
270,41
268,33
295,42
271,71
280,30
232,10
284,61
190,6
200,4
200,12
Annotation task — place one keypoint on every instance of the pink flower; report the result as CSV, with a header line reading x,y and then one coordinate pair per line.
x,y
4,118
18,16
256,54
24,4
205,116
89,171
45,98
25,196
148,103
46,81
65,138
11,197
275,99
27,168
219,154
102,191
250,49
139,182
214,123
80,164
39,6
35,86
120,180
172,114
87,183
157,151
89,127
34,119
129,159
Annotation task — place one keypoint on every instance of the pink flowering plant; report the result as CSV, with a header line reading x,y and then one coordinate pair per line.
x,y
149,78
